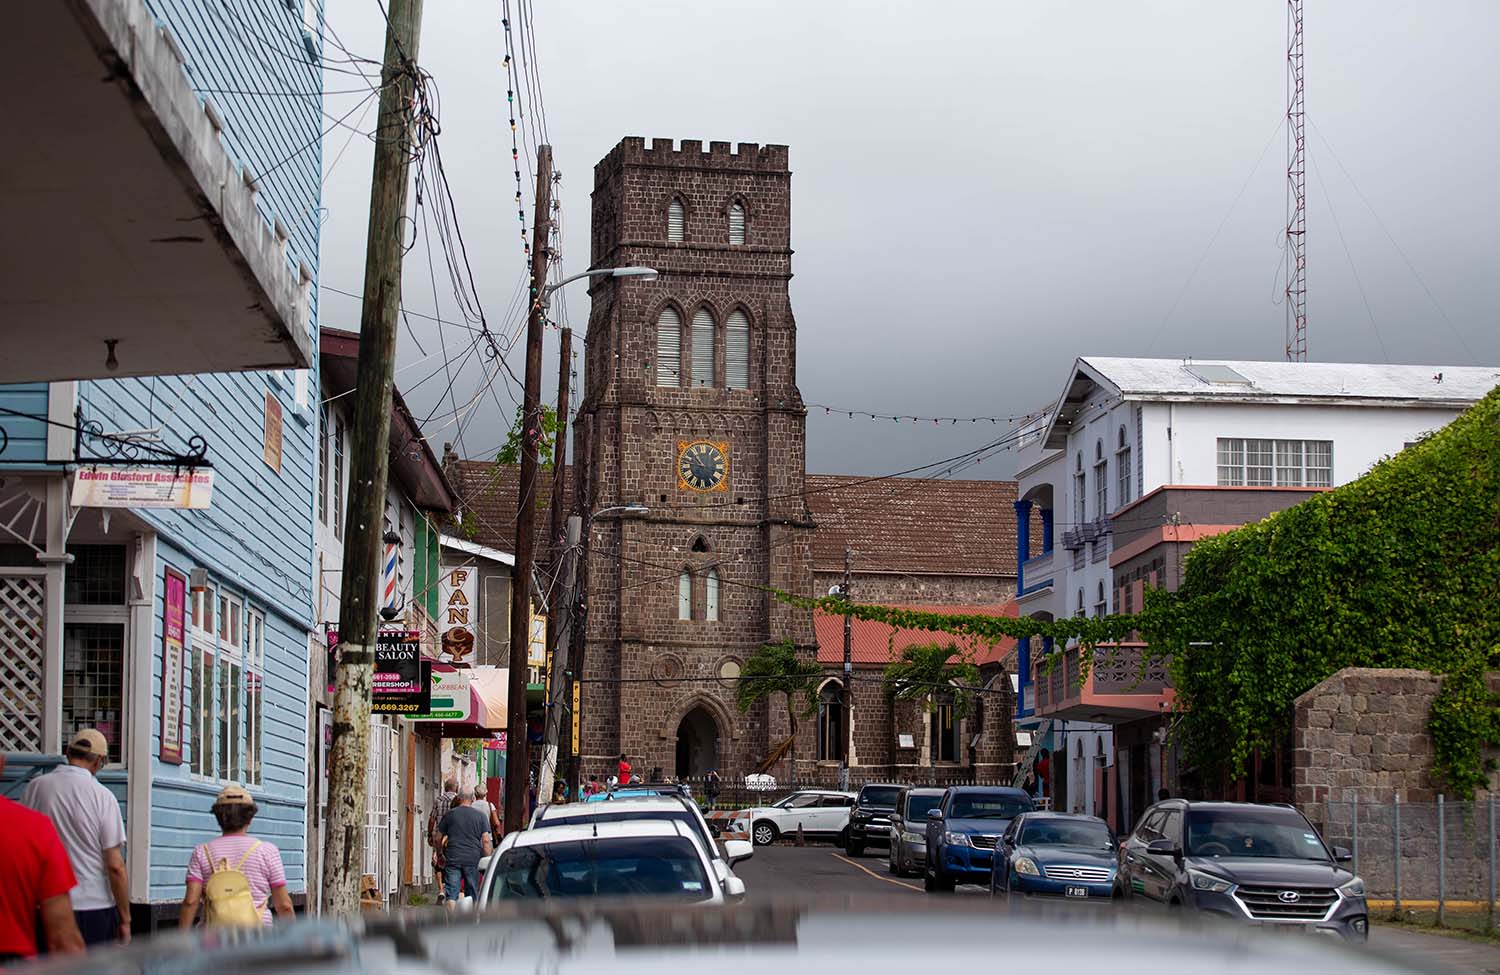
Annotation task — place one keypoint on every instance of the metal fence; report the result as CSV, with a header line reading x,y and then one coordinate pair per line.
x,y
1419,855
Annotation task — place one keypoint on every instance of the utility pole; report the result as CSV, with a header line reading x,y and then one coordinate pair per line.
x,y
578,599
359,599
848,677
561,554
517,761
559,689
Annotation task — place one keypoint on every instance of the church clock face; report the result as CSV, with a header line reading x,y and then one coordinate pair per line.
x,y
702,465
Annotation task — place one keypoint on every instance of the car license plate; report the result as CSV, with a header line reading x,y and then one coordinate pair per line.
x,y
1076,891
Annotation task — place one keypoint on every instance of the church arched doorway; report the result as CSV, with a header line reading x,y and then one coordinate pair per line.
x,y
697,743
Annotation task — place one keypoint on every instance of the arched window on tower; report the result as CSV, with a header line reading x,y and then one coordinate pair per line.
x,y
676,220
736,223
685,595
711,595
703,347
737,350
669,348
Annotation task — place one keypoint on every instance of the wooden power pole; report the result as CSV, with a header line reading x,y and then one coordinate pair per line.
x,y
517,761
848,715
359,601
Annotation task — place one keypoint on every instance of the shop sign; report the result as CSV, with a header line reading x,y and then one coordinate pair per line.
x,y
451,696
398,686
271,451
142,487
174,616
458,613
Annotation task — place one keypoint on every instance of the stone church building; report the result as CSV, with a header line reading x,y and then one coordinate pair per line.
x,y
690,408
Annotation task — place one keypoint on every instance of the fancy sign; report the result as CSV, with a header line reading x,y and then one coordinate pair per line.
x,y
458,613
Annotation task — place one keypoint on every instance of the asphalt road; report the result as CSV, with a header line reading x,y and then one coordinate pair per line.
x,y
823,870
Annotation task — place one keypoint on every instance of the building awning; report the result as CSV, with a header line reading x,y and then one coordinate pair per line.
x,y
125,217
471,702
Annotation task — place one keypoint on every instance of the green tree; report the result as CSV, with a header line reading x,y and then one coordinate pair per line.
x,y
545,452
777,668
928,671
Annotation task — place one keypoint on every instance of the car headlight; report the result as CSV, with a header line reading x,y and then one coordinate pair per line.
x,y
913,837
1354,888
1208,882
1028,867
956,839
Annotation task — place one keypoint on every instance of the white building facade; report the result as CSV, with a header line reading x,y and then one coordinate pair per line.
x,y
1124,428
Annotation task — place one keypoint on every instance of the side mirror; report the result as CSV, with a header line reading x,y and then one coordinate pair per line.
x,y
737,850
1342,855
1164,847
734,888
934,815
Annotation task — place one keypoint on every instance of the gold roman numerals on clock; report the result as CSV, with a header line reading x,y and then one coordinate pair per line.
x,y
702,465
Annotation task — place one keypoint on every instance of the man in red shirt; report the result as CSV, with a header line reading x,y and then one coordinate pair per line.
x,y
35,877
624,770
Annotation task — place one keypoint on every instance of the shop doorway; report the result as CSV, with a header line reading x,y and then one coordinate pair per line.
x,y
697,744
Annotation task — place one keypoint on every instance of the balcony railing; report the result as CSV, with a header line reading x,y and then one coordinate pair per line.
x,y
1116,686
1036,572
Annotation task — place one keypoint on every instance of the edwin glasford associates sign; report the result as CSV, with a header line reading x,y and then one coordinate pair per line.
x,y
142,487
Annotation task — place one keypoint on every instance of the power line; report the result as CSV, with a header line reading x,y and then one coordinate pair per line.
x,y
1360,285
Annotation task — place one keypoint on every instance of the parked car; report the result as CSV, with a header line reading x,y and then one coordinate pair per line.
x,y
870,820
1047,854
962,831
820,812
641,858
908,847
638,789
1256,864
648,807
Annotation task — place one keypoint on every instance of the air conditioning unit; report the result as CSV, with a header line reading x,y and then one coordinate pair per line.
x,y
1105,526
1072,541
1089,531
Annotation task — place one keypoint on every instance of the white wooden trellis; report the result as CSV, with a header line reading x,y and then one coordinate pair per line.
x,y
22,658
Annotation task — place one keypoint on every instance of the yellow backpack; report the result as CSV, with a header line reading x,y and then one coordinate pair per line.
x,y
226,892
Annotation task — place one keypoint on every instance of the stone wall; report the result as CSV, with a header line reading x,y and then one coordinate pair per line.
x,y
1361,735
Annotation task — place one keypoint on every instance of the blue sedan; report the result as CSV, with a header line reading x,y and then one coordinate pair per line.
x,y
1046,854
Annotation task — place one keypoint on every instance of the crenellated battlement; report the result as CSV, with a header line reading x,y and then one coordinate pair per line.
x,y
747,156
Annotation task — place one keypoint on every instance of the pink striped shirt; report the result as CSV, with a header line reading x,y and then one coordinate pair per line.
x,y
262,868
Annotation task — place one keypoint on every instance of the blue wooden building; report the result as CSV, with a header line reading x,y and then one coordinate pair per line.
x,y
206,333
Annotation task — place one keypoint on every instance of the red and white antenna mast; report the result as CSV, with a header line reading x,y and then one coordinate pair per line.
x,y
1296,192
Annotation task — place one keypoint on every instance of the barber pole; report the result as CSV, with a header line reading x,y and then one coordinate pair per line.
x,y
388,575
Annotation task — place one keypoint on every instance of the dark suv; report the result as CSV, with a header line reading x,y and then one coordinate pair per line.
x,y
870,822
1255,864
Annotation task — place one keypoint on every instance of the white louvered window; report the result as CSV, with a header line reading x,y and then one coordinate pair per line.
x,y
669,348
737,351
1122,470
676,219
736,224
685,596
703,348
711,593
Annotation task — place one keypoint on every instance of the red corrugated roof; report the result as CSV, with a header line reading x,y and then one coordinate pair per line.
x,y
876,644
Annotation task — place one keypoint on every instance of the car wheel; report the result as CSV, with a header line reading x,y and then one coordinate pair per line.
x,y
929,882
764,833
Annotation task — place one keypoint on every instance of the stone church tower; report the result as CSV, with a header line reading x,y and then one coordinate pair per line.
x,y
691,409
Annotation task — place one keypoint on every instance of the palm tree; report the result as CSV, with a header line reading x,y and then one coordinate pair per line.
x,y
776,668
926,670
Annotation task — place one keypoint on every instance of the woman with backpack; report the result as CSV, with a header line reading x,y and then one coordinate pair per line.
x,y
238,879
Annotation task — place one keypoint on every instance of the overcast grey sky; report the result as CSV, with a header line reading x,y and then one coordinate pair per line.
x,y
984,191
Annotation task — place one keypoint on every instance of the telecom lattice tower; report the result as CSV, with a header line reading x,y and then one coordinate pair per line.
x,y
1296,192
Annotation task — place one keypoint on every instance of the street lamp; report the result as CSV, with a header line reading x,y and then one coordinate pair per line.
x,y
644,273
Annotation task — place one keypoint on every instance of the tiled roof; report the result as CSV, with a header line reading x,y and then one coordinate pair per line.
x,y
876,644
914,525
487,494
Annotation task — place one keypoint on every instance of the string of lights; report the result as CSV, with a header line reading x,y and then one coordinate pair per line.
x,y
912,418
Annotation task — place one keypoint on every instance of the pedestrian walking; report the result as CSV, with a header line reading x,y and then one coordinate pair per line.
x,y
35,878
440,807
88,821
1044,772
465,837
711,786
238,879
487,810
